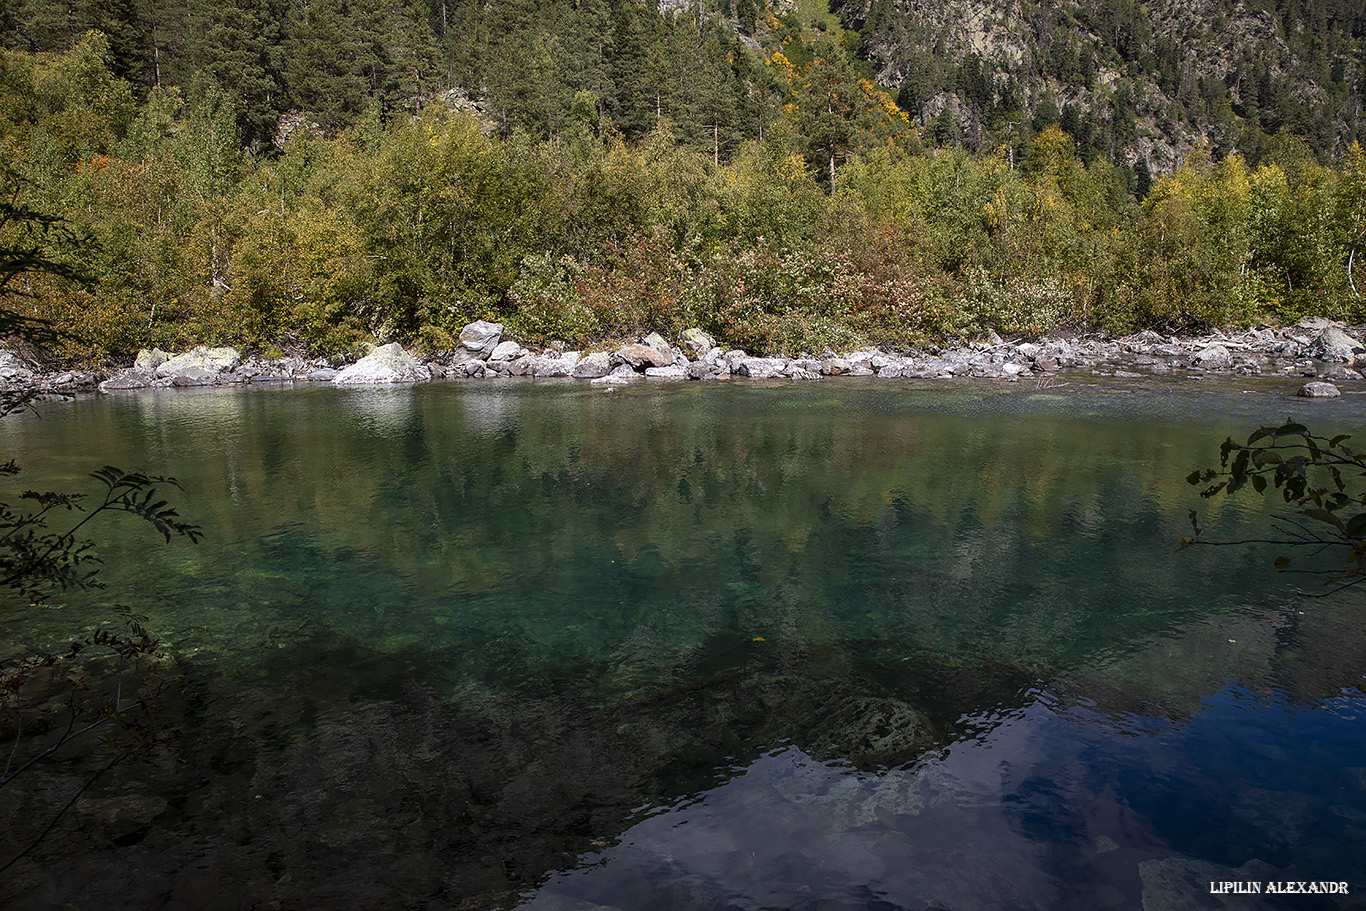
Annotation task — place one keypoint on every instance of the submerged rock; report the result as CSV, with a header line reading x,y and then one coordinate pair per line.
x,y
386,364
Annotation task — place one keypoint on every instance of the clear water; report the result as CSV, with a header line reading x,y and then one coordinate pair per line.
x,y
841,645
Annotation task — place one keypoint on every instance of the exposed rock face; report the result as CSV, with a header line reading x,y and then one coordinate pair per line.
x,y
760,368
479,338
1212,357
1333,344
1319,391
195,375
507,351
642,356
127,379
620,374
696,343
148,360
386,364
219,360
12,368
549,365
671,372
594,365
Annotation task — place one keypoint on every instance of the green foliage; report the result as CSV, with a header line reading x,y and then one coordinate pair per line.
x,y
583,233
1320,478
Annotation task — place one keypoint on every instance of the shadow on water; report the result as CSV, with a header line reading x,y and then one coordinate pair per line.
x,y
331,774
333,777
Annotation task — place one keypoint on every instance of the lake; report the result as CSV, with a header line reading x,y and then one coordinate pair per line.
x,y
852,644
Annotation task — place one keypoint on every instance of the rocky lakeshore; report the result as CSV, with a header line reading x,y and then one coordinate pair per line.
x,y
1317,349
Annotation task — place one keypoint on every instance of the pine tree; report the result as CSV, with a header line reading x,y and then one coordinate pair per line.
x,y
238,44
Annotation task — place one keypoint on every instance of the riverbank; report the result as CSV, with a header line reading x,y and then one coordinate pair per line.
x,y
1314,348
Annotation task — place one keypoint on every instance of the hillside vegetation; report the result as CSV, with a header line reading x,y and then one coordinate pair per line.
x,y
736,170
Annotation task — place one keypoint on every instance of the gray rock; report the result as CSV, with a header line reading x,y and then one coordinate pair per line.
x,y
656,341
671,372
553,366
386,364
696,343
619,375
1316,323
594,365
1333,344
858,370
1212,357
700,370
642,356
197,376
732,360
323,375
12,368
891,370
479,338
507,351
1319,391
1341,372
218,360
127,379
148,360
802,373
835,366
760,368
521,366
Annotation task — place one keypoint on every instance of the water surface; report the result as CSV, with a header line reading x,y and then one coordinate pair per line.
x,y
835,645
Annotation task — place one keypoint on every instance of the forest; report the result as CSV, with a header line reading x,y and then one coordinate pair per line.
x,y
311,177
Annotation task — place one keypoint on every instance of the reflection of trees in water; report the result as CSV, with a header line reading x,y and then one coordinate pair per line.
x,y
450,657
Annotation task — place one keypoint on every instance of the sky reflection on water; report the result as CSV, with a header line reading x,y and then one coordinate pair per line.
x,y
1052,807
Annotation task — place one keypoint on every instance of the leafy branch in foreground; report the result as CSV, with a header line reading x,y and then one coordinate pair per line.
x,y
106,686
33,559
1321,478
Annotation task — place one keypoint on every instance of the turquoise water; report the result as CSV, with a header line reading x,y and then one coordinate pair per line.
x,y
834,645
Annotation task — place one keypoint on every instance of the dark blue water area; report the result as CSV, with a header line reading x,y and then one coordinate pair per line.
x,y
1049,806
